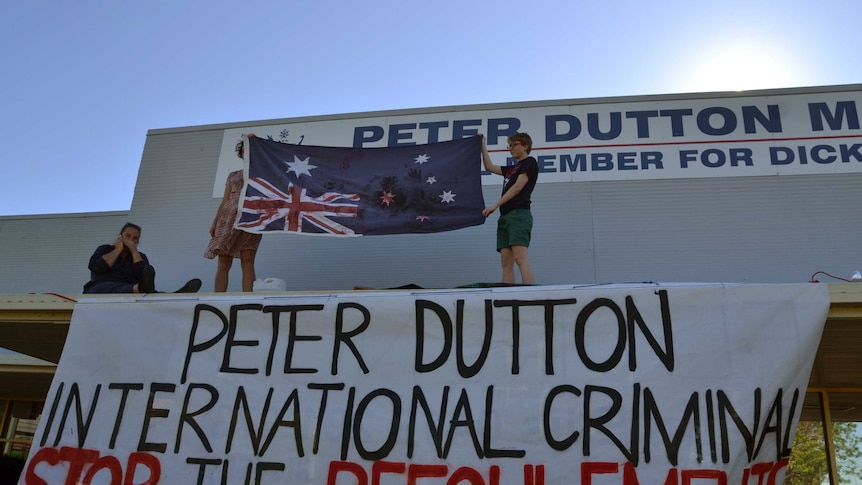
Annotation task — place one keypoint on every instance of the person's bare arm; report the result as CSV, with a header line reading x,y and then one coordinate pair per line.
x,y
514,190
133,248
111,257
486,160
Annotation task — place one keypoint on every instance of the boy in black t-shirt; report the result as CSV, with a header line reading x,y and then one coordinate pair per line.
x,y
516,221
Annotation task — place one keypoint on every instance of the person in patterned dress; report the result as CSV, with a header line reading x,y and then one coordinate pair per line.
x,y
228,243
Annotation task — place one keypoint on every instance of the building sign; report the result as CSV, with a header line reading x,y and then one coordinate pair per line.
x,y
667,138
527,385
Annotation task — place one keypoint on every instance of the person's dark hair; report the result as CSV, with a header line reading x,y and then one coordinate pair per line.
x,y
523,139
129,224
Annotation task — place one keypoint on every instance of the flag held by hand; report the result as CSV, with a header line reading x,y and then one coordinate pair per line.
x,y
336,191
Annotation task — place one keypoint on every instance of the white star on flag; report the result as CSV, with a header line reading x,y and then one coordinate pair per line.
x,y
431,180
447,196
421,159
300,166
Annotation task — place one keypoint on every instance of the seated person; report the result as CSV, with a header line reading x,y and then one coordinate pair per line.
x,y
121,268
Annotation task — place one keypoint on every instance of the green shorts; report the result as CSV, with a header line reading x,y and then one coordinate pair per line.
x,y
514,229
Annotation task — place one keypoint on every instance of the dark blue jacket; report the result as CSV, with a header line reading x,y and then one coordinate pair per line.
x,y
123,270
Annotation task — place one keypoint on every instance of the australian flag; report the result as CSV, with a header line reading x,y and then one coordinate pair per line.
x,y
361,191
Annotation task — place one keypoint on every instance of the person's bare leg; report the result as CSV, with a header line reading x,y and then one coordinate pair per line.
x,y
246,261
508,263
519,254
222,273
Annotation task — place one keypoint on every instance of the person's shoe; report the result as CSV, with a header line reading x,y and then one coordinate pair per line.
x,y
191,286
148,281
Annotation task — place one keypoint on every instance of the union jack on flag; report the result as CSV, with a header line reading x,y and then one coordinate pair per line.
x,y
334,191
274,208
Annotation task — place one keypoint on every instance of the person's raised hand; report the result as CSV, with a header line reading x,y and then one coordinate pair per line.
x,y
131,245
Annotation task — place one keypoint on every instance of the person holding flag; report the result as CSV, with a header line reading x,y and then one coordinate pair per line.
x,y
228,242
515,226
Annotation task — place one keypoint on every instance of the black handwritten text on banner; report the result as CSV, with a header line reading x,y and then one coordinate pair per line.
x,y
659,384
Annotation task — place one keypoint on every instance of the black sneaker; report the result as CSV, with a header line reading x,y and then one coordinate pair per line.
x,y
148,281
191,286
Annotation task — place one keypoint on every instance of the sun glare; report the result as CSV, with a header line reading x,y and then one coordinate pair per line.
x,y
739,68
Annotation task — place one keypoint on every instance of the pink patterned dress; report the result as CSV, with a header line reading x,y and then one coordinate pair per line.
x,y
227,240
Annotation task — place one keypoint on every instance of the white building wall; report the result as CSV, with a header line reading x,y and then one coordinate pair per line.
x,y
49,253
769,228
751,229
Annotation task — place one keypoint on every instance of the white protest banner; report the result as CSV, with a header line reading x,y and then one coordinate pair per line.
x,y
650,384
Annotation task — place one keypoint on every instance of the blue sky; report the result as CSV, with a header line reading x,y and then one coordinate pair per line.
x,y
83,81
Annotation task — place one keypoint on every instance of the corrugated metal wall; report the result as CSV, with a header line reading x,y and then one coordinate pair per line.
x,y
749,229
735,229
49,253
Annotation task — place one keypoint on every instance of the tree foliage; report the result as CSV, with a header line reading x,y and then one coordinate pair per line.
x,y
808,465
